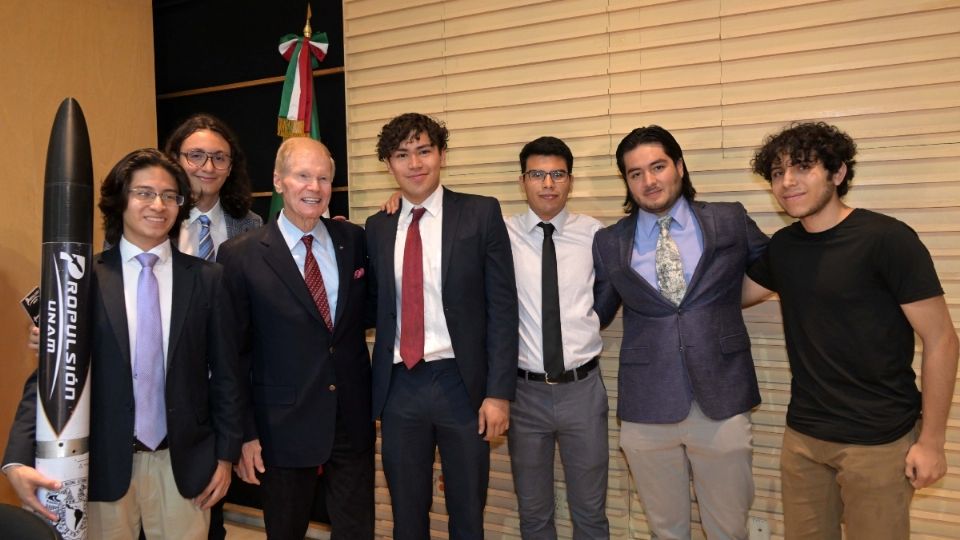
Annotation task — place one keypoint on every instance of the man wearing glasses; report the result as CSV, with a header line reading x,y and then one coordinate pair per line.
x,y
165,407
560,397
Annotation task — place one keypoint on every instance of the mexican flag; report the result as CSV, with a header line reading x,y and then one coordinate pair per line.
x,y
298,110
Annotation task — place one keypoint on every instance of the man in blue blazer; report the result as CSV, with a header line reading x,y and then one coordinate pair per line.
x,y
687,381
445,357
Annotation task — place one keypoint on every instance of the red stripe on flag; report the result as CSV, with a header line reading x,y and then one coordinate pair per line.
x,y
306,87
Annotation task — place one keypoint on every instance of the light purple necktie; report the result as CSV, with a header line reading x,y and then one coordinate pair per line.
x,y
150,424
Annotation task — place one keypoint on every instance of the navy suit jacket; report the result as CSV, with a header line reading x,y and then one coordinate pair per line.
x,y
203,388
300,373
701,345
479,296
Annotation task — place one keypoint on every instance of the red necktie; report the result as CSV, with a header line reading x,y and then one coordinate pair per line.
x,y
411,295
314,279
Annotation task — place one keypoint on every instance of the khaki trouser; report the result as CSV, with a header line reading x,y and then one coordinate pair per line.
x,y
864,486
152,498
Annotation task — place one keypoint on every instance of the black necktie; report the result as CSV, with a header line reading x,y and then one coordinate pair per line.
x,y
552,340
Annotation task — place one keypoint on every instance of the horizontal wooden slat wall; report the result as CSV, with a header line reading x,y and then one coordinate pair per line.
x,y
720,74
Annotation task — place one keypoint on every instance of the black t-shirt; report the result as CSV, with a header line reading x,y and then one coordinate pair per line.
x,y
850,345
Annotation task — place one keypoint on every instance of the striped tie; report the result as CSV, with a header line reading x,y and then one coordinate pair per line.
x,y
205,250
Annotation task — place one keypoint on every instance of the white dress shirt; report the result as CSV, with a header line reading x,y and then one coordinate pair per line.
x,y
189,241
323,251
436,336
579,324
163,270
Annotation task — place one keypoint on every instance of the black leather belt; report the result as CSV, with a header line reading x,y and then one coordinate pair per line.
x,y
140,447
567,376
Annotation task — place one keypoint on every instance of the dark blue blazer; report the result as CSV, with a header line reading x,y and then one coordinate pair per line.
x,y
701,345
479,296
203,388
300,374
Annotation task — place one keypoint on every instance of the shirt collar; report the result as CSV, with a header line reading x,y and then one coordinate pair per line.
x,y
292,234
128,251
531,220
680,212
215,213
433,204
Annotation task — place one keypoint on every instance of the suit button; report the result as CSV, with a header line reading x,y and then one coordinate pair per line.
x,y
331,350
332,387
681,348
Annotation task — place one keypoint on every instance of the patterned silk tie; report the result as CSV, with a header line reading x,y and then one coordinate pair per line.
x,y
205,247
550,306
411,294
150,420
669,266
314,279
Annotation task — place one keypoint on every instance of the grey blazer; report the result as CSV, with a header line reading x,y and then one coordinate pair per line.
x,y
698,350
236,227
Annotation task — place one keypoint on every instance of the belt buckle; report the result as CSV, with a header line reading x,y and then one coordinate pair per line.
x,y
546,379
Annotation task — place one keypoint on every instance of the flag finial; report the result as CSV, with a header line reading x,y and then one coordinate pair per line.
x,y
307,31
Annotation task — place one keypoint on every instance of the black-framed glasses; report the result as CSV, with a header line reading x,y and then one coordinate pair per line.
x,y
198,158
168,198
558,176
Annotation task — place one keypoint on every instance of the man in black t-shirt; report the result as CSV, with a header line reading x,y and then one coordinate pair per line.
x,y
854,286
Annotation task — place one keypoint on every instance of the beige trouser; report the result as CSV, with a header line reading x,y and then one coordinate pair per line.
x,y
864,486
720,455
153,498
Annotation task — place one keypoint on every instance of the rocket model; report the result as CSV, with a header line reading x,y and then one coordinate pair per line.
x,y
63,385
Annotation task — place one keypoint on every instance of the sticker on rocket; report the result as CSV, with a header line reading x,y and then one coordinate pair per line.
x,y
64,351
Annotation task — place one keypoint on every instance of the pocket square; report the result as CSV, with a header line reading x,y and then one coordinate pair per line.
x,y
358,273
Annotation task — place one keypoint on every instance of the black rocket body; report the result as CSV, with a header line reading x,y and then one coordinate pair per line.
x,y
63,400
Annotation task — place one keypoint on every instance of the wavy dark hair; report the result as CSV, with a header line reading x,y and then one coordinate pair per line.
x,y
235,195
653,134
114,191
401,128
808,142
546,146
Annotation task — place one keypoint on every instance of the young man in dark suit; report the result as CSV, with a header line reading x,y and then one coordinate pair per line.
x,y
445,357
687,381
299,288
163,465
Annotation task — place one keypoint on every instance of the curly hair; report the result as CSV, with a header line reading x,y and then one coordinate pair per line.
x,y
114,191
546,146
407,125
235,195
652,134
808,142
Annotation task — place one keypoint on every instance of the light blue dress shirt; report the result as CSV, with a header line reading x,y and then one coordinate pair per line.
x,y
323,251
684,230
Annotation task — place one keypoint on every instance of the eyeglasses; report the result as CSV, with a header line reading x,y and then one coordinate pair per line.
x,y
198,158
557,176
168,198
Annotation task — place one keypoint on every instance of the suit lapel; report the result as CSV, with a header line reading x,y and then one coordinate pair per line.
x,y
278,257
388,242
185,269
451,220
708,227
626,240
344,267
110,282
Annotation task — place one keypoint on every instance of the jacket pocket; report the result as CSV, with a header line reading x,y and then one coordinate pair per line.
x,y
735,343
